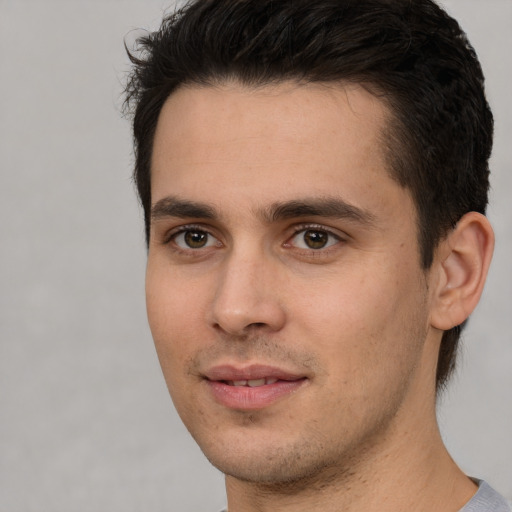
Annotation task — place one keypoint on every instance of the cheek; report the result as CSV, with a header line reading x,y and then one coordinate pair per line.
x,y
173,314
173,322
365,321
343,302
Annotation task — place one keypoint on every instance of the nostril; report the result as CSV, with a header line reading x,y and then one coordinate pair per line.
x,y
256,325
245,331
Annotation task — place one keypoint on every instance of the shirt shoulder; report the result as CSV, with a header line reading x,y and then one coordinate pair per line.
x,y
486,499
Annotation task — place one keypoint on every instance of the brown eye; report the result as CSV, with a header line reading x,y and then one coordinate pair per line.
x,y
194,239
314,239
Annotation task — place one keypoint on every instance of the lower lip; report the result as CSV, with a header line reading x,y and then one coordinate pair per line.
x,y
250,399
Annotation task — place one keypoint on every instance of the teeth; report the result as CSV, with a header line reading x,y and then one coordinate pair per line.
x,y
254,383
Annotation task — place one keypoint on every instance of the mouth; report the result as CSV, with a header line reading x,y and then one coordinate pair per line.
x,y
252,387
253,383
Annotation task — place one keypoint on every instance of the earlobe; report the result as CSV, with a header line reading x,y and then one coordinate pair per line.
x,y
462,262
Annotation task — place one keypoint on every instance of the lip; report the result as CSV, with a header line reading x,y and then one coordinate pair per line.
x,y
250,372
283,383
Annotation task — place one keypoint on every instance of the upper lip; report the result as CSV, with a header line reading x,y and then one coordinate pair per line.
x,y
227,372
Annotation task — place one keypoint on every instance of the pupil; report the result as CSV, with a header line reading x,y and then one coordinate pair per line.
x,y
315,239
195,239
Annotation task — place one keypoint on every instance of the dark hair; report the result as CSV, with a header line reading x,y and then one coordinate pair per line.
x,y
408,52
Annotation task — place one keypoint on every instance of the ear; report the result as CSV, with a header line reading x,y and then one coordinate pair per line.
x,y
462,261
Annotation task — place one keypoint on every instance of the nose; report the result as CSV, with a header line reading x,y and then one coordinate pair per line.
x,y
247,296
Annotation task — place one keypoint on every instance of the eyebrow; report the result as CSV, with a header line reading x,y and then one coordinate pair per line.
x,y
329,207
173,206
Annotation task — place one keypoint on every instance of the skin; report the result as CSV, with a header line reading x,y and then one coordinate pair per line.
x,y
336,296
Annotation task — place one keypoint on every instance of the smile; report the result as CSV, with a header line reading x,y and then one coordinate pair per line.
x,y
251,387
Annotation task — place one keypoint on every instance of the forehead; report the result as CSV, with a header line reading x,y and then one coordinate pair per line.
x,y
271,144
287,112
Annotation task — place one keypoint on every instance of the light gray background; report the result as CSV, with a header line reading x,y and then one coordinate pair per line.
x,y
85,420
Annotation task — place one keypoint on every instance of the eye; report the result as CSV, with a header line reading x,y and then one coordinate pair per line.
x,y
314,238
194,239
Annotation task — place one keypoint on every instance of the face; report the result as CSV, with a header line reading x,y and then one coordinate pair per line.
x,y
284,290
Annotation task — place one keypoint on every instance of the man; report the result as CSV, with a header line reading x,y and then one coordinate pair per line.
x,y
314,178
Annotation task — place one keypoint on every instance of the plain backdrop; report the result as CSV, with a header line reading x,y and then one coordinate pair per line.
x,y
85,420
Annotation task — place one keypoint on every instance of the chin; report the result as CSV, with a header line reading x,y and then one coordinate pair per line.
x,y
283,464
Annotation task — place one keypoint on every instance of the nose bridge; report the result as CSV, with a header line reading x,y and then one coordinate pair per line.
x,y
246,295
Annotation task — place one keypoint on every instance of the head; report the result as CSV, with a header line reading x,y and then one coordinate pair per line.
x,y
410,55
